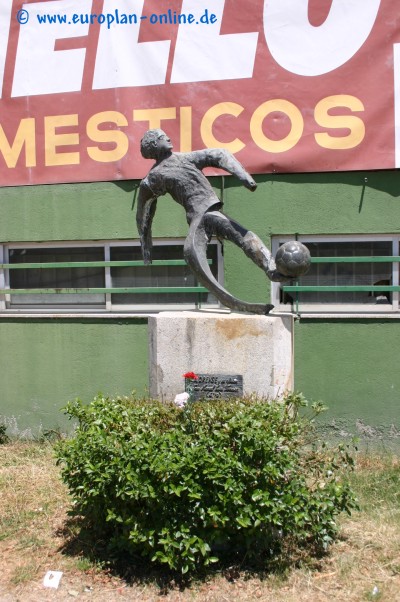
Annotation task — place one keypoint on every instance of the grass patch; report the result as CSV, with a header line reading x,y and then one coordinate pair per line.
x,y
378,483
24,573
36,535
30,489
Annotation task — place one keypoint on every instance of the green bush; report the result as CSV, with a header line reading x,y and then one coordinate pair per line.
x,y
4,438
182,487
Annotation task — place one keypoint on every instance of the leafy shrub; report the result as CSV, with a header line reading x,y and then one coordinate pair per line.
x,y
183,486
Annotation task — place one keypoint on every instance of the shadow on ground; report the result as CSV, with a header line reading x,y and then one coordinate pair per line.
x,y
81,542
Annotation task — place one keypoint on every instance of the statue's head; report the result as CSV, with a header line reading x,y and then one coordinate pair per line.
x,y
154,143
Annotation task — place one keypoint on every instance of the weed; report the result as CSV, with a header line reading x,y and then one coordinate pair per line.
x,y
84,564
24,573
30,542
379,483
4,438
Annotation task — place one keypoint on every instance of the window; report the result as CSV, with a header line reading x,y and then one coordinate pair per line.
x,y
156,276
350,274
56,278
28,285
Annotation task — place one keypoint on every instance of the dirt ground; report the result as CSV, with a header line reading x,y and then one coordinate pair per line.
x,y
363,564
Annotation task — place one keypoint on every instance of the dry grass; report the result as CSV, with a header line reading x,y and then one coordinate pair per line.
x,y
364,564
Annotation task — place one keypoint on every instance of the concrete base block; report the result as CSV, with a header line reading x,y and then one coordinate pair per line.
x,y
258,347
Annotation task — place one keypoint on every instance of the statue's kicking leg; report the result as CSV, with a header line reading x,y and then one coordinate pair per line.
x,y
195,253
225,227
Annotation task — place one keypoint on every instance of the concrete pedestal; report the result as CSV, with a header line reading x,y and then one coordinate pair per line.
x,y
258,347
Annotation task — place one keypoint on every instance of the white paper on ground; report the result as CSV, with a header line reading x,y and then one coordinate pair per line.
x,y
52,579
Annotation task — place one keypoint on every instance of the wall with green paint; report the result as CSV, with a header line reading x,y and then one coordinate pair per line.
x,y
47,362
350,364
352,202
95,211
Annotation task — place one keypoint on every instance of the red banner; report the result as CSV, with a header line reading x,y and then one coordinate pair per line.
x,y
286,85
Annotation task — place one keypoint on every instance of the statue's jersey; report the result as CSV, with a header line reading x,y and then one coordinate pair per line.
x,y
180,175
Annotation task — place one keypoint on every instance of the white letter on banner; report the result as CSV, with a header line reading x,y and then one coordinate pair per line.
x,y
4,32
301,48
396,66
121,60
39,68
202,54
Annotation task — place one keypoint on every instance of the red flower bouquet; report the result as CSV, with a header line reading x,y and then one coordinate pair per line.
x,y
190,376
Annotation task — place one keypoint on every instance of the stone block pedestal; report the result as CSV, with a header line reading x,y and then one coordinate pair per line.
x,y
258,347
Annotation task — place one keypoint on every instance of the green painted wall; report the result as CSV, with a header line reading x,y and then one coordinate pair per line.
x,y
96,211
290,203
45,363
349,364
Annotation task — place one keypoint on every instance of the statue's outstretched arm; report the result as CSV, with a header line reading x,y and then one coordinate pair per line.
x,y
222,158
147,204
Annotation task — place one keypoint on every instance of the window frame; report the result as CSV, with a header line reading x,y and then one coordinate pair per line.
x,y
106,308
163,307
316,309
47,307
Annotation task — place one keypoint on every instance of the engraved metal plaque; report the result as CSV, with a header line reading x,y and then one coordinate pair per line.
x,y
215,386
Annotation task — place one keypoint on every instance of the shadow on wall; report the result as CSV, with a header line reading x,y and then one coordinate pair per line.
x,y
387,181
127,185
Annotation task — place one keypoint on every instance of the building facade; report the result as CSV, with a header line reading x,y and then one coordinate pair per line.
x,y
63,345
